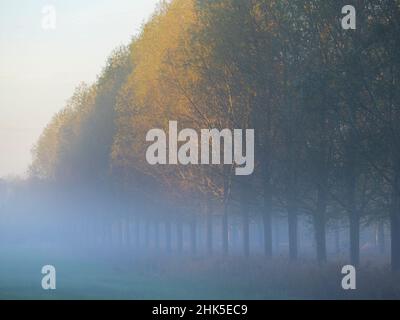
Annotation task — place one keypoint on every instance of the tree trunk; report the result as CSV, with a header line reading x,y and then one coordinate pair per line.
x,y
209,231
337,241
125,226
193,235
277,236
225,239
354,216
157,235
395,239
179,236
120,233
292,230
244,206
267,214
136,232
107,233
147,234
380,237
168,240
395,222
225,221
320,240
246,234
319,223
267,224
355,238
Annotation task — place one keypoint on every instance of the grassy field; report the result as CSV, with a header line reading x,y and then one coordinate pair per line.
x,y
87,274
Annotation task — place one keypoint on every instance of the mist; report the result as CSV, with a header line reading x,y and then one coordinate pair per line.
x,y
102,246
310,211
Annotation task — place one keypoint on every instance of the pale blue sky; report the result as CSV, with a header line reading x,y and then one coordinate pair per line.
x,y
40,68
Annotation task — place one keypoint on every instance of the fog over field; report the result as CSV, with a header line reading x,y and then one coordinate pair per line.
x,y
103,247
225,149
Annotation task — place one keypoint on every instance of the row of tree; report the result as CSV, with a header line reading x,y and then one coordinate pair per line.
x,y
324,103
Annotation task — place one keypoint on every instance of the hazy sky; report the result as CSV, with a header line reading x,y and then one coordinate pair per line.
x,y
39,68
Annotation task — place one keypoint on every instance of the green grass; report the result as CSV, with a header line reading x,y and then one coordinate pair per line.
x,y
81,277
85,275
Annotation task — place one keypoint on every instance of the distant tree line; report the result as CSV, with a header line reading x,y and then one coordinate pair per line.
x,y
324,103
